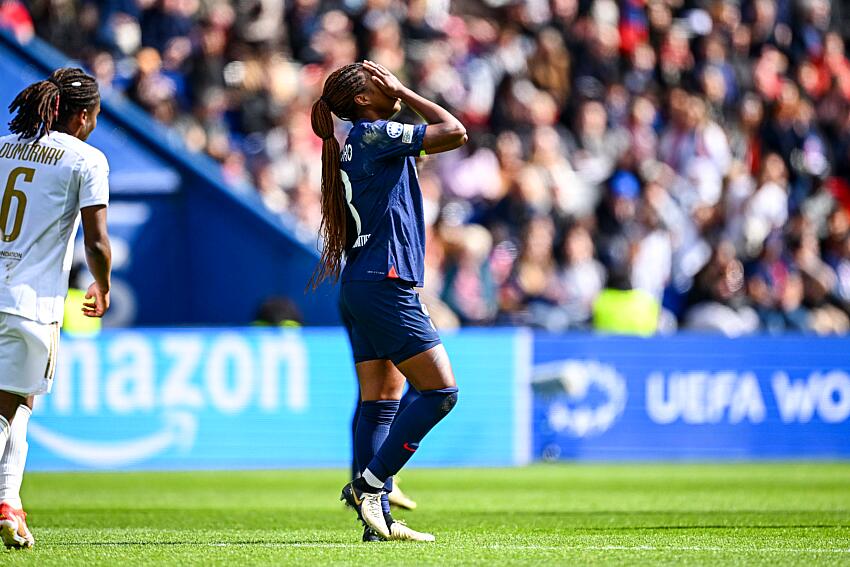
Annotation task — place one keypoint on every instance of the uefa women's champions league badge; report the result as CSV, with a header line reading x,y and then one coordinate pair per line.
x,y
407,138
587,397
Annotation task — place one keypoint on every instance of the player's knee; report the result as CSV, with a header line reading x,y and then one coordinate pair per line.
x,y
441,401
449,401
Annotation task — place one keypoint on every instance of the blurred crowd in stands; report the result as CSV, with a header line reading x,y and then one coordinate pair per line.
x,y
633,165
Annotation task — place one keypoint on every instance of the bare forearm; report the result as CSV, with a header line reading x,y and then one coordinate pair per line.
x,y
445,132
431,112
99,260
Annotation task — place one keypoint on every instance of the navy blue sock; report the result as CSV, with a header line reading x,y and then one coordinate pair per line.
x,y
355,468
373,426
410,396
409,429
385,503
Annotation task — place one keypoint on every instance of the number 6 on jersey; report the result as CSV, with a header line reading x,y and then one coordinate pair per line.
x,y
10,193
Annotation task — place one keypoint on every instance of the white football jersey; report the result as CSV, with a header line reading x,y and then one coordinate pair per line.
x,y
43,186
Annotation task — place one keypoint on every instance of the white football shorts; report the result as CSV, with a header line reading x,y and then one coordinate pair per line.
x,y
27,355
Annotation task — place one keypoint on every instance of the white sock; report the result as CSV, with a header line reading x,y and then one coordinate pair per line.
x,y
372,480
14,458
4,431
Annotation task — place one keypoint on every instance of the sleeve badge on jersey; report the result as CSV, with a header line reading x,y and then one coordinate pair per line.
x,y
394,129
407,137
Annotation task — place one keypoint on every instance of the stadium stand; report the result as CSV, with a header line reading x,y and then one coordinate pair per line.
x,y
188,248
702,148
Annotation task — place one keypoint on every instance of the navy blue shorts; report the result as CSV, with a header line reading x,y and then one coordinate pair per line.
x,y
385,320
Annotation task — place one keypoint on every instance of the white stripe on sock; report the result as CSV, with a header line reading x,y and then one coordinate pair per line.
x,y
372,480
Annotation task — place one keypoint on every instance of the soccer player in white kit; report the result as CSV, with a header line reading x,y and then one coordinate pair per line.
x,y
49,178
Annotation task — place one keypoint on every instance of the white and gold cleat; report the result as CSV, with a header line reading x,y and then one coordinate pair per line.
x,y
400,499
368,507
400,532
13,527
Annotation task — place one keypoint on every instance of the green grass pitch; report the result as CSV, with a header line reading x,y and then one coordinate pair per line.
x,y
638,514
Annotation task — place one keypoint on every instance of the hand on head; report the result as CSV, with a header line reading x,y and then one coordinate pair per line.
x,y
384,79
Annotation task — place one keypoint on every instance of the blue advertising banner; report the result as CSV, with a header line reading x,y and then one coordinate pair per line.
x,y
690,397
258,398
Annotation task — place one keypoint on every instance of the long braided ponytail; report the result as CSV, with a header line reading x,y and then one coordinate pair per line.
x,y
42,105
338,98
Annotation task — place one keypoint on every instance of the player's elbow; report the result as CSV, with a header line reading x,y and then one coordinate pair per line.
x,y
445,137
459,135
98,247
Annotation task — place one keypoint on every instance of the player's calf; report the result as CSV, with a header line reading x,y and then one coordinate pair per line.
x,y
409,429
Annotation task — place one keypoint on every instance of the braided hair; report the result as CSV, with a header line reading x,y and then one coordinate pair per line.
x,y
337,97
44,104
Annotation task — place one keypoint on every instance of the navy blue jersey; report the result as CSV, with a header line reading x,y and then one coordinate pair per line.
x,y
382,189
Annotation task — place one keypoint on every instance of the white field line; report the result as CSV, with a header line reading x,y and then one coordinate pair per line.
x,y
507,547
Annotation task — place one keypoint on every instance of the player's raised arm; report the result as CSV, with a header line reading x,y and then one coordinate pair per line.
x,y
444,133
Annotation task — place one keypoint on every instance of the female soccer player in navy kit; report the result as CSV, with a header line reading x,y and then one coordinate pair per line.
x,y
372,215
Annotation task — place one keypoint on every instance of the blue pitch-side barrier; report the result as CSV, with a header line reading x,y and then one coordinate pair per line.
x,y
689,397
269,398
258,398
